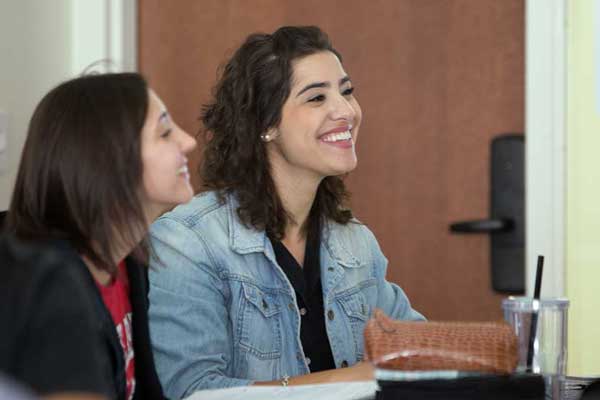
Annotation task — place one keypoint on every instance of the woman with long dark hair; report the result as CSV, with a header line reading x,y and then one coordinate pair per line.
x,y
101,161
269,279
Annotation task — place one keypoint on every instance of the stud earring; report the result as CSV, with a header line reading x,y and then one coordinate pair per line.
x,y
268,136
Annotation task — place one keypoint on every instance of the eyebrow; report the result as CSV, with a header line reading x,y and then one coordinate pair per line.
x,y
322,85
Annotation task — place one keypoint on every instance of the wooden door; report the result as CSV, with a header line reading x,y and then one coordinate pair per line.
x,y
436,79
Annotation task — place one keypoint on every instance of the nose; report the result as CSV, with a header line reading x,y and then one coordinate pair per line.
x,y
186,142
342,109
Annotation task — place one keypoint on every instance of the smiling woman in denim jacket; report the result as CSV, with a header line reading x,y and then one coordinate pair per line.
x,y
267,278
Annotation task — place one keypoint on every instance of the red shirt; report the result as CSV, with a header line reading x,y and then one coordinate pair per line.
x,y
116,299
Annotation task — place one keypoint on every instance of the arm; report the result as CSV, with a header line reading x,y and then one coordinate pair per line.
x,y
189,318
363,371
391,298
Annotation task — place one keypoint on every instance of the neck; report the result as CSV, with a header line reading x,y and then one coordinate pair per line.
x,y
297,196
152,212
101,276
121,252
118,254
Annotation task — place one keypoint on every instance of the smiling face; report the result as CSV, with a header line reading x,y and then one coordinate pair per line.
x,y
166,180
319,122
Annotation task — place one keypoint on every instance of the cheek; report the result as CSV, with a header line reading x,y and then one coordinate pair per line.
x,y
159,169
150,181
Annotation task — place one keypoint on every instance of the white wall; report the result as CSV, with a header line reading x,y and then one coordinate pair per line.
x,y
583,190
35,54
45,42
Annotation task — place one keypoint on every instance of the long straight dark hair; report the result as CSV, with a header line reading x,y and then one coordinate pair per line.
x,y
81,169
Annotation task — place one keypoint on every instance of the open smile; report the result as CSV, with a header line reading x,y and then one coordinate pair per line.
x,y
338,137
184,172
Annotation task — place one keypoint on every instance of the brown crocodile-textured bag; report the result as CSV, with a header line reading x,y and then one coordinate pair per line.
x,y
425,346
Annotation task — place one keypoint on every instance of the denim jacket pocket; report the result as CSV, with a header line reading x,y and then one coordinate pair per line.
x,y
259,322
355,306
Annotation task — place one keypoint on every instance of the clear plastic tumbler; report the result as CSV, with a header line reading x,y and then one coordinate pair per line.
x,y
549,349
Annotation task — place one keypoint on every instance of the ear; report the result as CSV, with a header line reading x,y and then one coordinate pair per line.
x,y
269,135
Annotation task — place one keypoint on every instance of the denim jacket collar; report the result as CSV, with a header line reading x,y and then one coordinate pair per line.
x,y
244,239
333,243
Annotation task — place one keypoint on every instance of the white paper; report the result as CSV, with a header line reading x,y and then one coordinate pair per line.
x,y
338,391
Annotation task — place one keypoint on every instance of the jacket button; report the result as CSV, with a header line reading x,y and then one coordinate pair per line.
x,y
330,315
291,306
344,364
264,304
303,311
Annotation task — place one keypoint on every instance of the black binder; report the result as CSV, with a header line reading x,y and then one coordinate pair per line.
x,y
488,387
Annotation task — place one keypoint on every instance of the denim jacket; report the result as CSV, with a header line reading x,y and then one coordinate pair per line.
x,y
223,313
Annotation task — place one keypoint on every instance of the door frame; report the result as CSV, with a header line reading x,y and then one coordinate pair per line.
x,y
114,36
545,133
104,35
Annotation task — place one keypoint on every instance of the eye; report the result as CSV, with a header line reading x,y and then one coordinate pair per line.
x,y
317,99
166,133
348,92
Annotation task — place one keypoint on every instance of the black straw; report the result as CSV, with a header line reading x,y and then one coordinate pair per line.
x,y
534,316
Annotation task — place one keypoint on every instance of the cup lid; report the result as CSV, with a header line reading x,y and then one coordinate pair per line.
x,y
530,304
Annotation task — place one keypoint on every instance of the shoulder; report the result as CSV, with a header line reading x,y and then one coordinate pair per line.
x,y
352,233
29,265
203,207
43,275
205,216
353,242
196,233
204,210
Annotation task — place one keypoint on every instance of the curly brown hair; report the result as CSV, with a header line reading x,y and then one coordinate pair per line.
x,y
248,100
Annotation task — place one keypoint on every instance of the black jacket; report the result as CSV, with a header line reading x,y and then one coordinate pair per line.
x,y
147,385
49,336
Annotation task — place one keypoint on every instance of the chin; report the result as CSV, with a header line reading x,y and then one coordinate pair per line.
x,y
178,200
188,196
344,169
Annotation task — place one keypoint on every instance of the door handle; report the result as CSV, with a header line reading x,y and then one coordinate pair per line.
x,y
483,226
505,223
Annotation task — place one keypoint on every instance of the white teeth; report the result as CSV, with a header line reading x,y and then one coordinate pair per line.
x,y
337,137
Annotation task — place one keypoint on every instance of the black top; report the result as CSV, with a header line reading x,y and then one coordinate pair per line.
x,y
48,340
62,337
309,296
